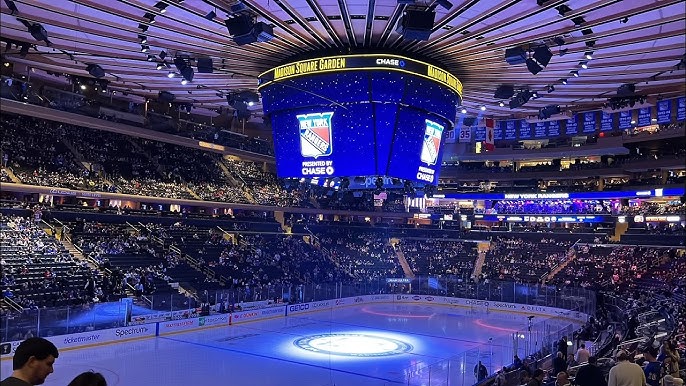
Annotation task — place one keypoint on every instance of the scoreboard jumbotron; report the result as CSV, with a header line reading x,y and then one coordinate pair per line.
x,y
360,115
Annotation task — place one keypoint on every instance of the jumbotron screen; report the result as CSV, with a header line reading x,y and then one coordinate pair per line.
x,y
380,115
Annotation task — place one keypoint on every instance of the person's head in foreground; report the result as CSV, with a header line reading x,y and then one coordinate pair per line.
x,y
33,360
88,378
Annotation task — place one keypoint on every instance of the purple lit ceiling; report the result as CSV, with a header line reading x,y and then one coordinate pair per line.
x,y
637,41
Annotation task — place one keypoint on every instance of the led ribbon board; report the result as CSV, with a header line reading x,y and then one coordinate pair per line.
x,y
364,62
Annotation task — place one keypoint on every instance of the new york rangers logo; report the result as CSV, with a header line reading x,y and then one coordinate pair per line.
x,y
432,142
315,134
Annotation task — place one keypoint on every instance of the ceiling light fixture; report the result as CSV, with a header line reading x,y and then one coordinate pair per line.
x,y
589,55
143,38
144,48
171,74
483,108
574,73
162,6
150,17
583,65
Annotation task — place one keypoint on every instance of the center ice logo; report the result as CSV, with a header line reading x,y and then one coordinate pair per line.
x,y
315,134
431,143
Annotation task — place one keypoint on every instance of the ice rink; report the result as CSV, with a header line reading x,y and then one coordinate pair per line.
x,y
371,344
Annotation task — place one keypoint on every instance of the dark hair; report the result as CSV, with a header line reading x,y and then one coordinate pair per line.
x,y
88,378
538,372
39,348
592,360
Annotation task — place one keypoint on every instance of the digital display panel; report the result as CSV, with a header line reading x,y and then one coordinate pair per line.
x,y
359,123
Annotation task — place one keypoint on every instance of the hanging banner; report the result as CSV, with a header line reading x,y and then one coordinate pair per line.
x,y
572,126
589,122
664,112
644,116
625,120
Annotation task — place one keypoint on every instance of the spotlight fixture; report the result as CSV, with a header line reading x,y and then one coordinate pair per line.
x,y
501,104
150,17
13,7
184,82
83,87
548,111
539,59
463,111
483,108
563,81
520,99
574,73
171,74
143,38
95,70
534,95
162,6
624,20
589,55
562,9
583,65
143,27
551,88
144,48
210,15
160,66
590,43
184,67
579,20
151,58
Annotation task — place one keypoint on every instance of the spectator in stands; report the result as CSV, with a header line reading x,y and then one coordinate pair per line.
x,y
582,355
88,378
590,374
32,362
562,379
559,363
480,372
537,379
669,380
653,368
563,347
626,373
670,361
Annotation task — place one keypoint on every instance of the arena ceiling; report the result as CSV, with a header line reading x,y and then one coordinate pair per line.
x,y
638,41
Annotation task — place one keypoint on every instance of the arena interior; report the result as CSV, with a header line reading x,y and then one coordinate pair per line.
x,y
199,165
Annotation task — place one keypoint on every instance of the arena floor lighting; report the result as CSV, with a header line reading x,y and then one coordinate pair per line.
x,y
367,344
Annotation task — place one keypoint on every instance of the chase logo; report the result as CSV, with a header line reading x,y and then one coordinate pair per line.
x,y
315,134
431,143
390,62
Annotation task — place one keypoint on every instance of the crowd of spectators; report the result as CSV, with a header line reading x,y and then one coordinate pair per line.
x,y
436,257
366,255
515,259
37,271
